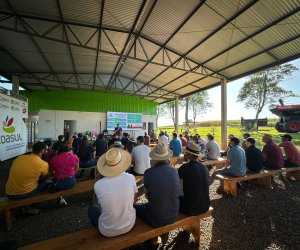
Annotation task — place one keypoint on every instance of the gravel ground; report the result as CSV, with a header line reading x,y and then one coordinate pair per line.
x,y
258,219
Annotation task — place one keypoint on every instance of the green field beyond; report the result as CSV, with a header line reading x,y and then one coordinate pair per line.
x,y
233,127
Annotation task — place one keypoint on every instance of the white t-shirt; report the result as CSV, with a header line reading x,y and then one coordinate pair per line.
x,y
141,157
213,150
116,197
163,139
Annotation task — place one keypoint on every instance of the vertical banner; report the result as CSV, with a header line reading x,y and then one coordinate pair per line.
x,y
13,130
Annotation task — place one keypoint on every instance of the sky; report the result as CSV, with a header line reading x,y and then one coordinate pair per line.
x,y
234,109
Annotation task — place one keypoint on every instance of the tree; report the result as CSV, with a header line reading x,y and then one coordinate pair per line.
x,y
263,89
198,104
168,110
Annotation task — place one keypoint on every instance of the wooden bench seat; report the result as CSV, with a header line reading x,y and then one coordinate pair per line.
x,y
80,187
292,172
91,238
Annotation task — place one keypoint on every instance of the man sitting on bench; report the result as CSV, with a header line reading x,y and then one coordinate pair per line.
x,y
292,154
273,158
161,182
114,214
27,175
195,183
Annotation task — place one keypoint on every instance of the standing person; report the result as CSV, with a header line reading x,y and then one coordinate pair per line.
x,y
101,145
140,157
235,164
183,140
292,154
118,129
195,176
147,139
176,147
114,213
162,187
63,167
212,148
273,158
254,157
56,145
153,137
27,175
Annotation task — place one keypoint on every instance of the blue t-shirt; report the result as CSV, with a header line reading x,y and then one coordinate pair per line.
x,y
238,160
162,183
176,146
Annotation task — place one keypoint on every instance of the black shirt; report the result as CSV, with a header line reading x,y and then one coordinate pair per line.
x,y
195,188
101,146
254,158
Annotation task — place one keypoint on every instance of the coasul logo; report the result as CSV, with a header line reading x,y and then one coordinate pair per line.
x,y
7,125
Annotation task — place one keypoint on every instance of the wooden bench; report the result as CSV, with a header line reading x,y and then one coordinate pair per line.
x,y
230,182
292,172
80,187
92,239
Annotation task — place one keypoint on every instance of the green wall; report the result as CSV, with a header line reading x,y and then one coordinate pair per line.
x,y
73,100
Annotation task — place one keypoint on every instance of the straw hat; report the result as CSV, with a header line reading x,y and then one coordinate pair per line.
x,y
193,148
132,139
114,162
160,152
118,144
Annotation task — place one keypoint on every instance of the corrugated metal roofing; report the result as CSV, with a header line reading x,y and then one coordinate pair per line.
x,y
152,49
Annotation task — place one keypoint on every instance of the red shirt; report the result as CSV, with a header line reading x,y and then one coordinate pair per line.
x,y
64,165
183,141
291,152
273,154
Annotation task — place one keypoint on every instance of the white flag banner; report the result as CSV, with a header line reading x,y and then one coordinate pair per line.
x,y
13,131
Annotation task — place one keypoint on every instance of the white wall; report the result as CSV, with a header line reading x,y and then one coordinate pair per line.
x,y
51,122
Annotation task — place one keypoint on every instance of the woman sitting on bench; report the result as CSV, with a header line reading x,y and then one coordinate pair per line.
x,y
85,154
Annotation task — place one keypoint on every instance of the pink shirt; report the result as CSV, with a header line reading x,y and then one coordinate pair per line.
x,y
64,165
291,152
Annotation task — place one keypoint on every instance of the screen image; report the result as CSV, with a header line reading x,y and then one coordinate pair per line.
x,y
127,121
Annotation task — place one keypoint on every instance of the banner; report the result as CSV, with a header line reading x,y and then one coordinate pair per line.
x,y
13,130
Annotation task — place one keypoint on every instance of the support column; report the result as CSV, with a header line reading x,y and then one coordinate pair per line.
x,y
176,114
223,113
15,85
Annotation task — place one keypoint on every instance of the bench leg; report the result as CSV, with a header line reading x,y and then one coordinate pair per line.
x,y
8,219
230,187
295,174
194,229
265,181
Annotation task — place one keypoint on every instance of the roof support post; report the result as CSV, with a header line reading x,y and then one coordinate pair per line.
x,y
15,85
223,113
176,114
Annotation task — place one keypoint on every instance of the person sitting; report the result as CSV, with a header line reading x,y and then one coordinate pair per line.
x,y
163,139
245,136
153,137
254,157
131,144
195,176
101,145
63,167
200,141
183,140
76,143
292,154
273,158
124,139
235,164
224,153
114,213
50,153
162,187
27,175
146,139
176,147
118,144
212,148
85,154
140,157
114,138
56,145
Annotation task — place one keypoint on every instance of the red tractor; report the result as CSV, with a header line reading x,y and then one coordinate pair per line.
x,y
289,117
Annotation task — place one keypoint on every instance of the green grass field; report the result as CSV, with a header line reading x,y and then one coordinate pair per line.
x,y
238,131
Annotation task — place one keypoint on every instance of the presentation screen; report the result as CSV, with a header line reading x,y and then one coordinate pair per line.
x,y
127,121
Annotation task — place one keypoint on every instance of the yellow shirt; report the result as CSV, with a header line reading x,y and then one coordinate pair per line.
x,y
24,174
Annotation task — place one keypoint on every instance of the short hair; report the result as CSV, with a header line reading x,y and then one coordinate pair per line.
x,y
235,140
60,137
38,147
210,136
246,135
80,135
63,147
140,138
101,136
180,135
48,143
174,134
251,140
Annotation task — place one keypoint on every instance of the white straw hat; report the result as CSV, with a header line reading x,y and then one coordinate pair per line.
x,y
114,162
132,139
193,148
118,144
160,152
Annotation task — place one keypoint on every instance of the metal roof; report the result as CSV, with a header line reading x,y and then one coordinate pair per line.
x,y
155,49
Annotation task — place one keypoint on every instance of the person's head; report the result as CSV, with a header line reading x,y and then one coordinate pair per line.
x,y
246,135
39,148
192,151
210,137
166,132
180,135
140,140
250,141
118,125
48,143
60,137
267,138
286,137
174,135
80,135
234,141
132,139
125,135
162,133
117,144
64,147
160,153
230,136
100,136
114,162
